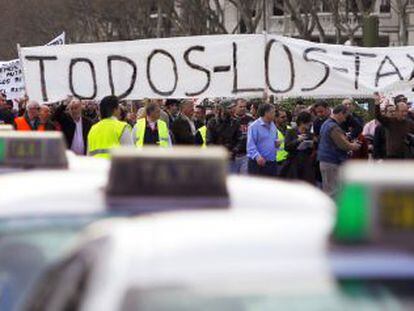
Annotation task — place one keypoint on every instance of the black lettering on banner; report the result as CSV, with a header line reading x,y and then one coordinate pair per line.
x,y
42,60
73,62
292,67
380,75
236,74
119,58
197,67
412,72
325,65
149,77
358,63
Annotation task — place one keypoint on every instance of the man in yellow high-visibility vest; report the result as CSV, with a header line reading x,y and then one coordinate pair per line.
x,y
281,125
150,130
109,133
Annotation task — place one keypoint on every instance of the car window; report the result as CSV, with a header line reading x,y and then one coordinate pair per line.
x,y
350,295
23,256
63,286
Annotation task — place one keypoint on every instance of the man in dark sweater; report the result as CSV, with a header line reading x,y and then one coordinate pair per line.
x,y
396,129
183,128
240,114
379,142
353,124
333,149
224,130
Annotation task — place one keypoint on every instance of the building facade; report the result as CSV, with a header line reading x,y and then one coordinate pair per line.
x,y
280,22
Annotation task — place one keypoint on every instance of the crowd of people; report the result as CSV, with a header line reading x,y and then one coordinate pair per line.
x,y
309,143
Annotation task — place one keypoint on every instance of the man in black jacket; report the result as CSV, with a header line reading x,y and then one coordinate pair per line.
x,y
354,124
224,130
75,127
6,115
183,127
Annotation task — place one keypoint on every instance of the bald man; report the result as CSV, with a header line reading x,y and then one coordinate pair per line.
x,y
30,120
354,124
75,126
396,128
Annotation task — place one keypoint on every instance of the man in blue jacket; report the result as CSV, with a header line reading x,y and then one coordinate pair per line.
x,y
334,148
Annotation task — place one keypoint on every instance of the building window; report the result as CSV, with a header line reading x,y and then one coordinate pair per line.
x,y
278,8
385,6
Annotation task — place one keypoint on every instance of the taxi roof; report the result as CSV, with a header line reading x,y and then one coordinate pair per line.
x,y
193,248
39,193
81,190
385,172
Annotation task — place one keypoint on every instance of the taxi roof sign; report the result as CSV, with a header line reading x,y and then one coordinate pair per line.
x,y
153,178
375,204
32,150
6,127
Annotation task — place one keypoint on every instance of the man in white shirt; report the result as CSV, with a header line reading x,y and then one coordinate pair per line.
x,y
75,126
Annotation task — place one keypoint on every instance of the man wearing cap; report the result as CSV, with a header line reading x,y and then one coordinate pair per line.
x,y
171,109
183,128
151,130
262,143
30,120
109,133
224,130
75,126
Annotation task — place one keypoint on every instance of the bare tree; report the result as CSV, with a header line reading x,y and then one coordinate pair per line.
x,y
346,17
251,12
304,15
400,8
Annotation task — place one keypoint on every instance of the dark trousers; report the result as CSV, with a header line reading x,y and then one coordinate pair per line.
x,y
270,168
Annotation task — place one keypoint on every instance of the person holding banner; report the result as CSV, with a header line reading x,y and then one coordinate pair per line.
x,y
75,126
397,129
109,133
30,120
151,130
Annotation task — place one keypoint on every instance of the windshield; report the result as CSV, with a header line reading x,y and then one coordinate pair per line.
x,y
349,295
24,255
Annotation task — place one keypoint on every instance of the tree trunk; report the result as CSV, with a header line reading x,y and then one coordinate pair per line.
x,y
159,21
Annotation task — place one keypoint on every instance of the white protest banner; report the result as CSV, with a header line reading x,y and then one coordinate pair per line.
x,y
11,74
214,66
302,68
11,79
59,40
173,67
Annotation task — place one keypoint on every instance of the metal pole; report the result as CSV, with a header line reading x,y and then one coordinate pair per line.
x,y
264,15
